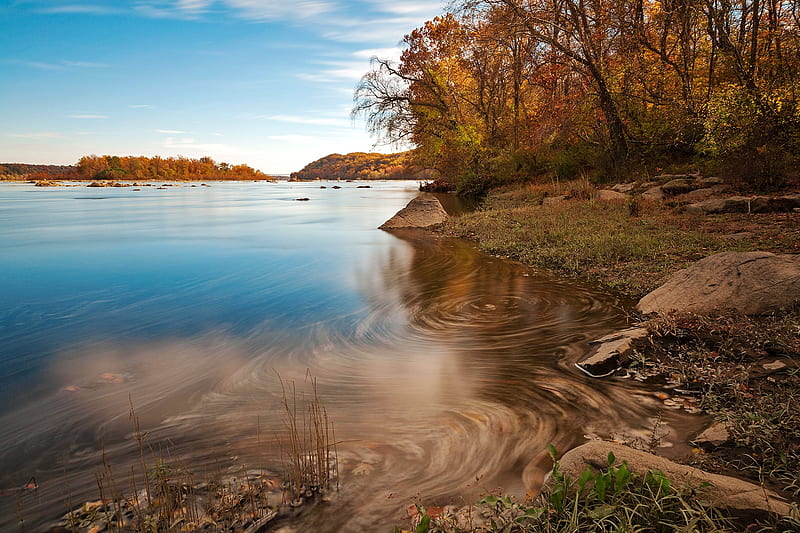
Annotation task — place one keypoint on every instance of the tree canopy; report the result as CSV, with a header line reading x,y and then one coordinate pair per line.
x,y
506,88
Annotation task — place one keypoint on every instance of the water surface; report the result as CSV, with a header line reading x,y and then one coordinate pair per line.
x,y
446,372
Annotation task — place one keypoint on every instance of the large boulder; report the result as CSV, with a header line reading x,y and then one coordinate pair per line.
x,y
423,211
724,492
747,204
653,194
750,282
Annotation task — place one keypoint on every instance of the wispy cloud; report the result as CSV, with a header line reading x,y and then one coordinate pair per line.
x,y
89,9
306,120
172,132
89,117
141,106
85,64
281,9
37,135
190,146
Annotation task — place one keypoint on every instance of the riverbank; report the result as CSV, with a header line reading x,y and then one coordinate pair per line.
x,y
741,370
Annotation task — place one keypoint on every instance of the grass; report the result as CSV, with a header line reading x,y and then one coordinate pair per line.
x,y
609,499
631,247
160,493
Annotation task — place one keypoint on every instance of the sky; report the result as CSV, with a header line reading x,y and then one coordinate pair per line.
x,y
268,83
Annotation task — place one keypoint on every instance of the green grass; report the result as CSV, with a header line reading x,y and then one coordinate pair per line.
x,y
602,241
609,499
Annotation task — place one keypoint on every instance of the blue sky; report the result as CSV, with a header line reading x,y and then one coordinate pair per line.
x,y
263,82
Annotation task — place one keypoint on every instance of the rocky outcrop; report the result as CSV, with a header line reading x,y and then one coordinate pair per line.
x,y
609,352
423,211
680,186
749,282
746,204
723,492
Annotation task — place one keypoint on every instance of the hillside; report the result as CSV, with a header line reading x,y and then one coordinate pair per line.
x,y
17,171
362,166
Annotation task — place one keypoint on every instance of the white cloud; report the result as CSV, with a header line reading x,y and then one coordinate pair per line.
x,y
89,9
383,53
85,64
37,135
315,120
281,9
190,146
294,138
172,132
89,117
141,106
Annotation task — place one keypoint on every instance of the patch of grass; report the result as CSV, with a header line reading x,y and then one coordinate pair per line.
x,y
721,358
611,499
605,242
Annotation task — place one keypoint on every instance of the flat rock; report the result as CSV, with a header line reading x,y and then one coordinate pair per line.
x,y
697,195
609,352
715,435
679,186
624,187
655,194
724,492
607,195
552,200
749,282
423,211
710,182
747,204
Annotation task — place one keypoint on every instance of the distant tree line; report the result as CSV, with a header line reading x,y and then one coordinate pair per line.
x,y
508,88
111,167
362,166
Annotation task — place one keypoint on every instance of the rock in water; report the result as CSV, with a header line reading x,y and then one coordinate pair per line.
x,y
421,212
609,351
750,282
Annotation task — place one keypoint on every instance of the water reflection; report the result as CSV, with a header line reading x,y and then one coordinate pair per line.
x,y
446,372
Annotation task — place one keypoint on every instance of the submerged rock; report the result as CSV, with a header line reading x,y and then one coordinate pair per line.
x,y
609,352
749,282
421,212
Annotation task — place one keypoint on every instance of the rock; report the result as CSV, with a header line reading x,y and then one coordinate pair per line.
x,y
775,204
697,195
552,200
679,186
723,492
610,351
364,187
96,184
732,204
749,282
337,187
302,199
745,204
607,195
46,183
710,182
774,366
624,187
654,194
669,177
715,435
421,212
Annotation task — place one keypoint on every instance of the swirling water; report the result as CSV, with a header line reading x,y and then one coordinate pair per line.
x,y
446,372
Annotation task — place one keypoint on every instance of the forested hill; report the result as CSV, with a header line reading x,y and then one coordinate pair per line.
x,y
130,168
362,166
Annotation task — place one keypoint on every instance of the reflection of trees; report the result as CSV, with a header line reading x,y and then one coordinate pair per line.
x,y
509,329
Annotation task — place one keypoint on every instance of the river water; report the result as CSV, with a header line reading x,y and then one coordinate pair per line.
x,y
445,372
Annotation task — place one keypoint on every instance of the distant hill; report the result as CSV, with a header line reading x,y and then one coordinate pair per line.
x,y
18,171
362,166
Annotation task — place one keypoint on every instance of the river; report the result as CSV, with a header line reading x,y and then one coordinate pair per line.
x,y
445,372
